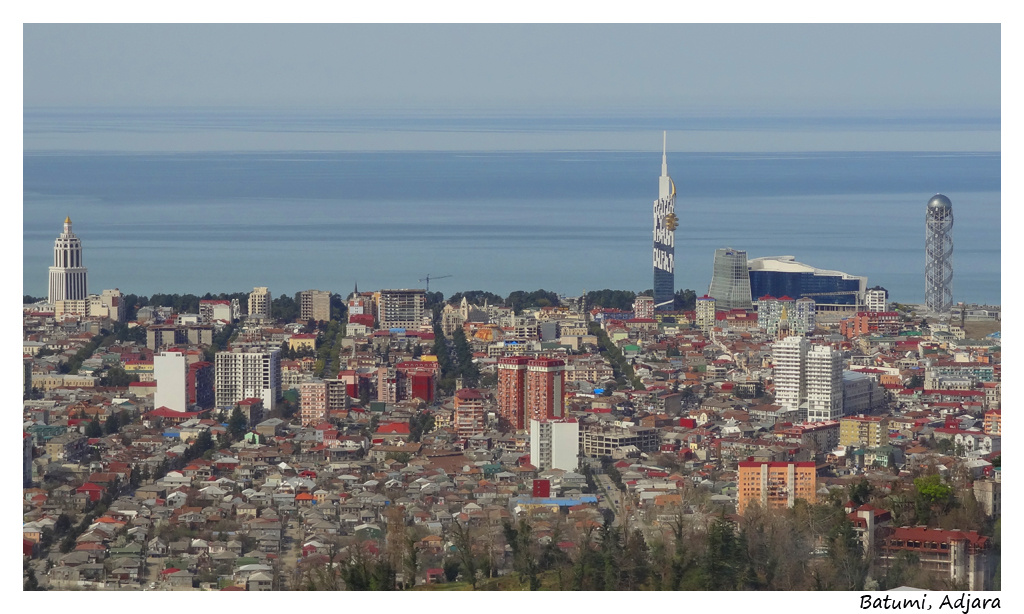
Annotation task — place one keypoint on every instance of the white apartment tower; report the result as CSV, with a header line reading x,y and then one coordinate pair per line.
x,y
705,313
824,375
788,358
169,370
248,373
259,302
555,444
876,299
67,275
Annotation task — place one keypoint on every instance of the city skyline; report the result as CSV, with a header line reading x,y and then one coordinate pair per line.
x,y
384,441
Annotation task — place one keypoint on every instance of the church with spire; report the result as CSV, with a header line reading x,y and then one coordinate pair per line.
x,y
67,275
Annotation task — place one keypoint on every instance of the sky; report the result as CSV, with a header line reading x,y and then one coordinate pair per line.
x,y
942,69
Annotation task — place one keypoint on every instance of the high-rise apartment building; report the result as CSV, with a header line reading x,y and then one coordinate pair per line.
x,y
824,372
315,305
545,388
665,223
403,309
788,358
775,485
68,274
245,373
468,418
938,254
730,280
312,402
705,313
876,299
317,398
259,302
169,371
555,444
199,384
643,307
512,391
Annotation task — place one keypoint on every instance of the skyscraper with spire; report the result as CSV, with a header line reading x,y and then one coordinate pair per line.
x,y
665,223
67,275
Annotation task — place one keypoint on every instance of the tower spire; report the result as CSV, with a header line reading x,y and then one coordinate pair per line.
x,y
664,151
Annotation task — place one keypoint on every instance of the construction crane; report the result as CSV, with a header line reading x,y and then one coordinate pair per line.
x,y
428,278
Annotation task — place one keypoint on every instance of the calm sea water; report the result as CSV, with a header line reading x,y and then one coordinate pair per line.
x,y
496,220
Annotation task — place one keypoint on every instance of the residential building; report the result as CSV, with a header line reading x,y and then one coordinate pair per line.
x,y
555,444
545,388
775,484
643,307
864,431
605,440
244,373
876,299
211,310
956,556
512,391
469,413
315,305
67,274
403,309
993,422
312,401
705,313
169,371
824,375
788,358
259,302
199,384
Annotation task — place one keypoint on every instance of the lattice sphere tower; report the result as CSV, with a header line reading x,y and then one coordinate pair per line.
x,y
938,254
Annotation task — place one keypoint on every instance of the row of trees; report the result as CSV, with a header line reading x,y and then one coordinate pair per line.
x,y
455,360
329,350
621,367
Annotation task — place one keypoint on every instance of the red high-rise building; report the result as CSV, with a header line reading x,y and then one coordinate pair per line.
x,y
199,384
512,390
545,388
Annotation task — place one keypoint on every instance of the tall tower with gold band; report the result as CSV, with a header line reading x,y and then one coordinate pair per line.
x,y
67,275
665,223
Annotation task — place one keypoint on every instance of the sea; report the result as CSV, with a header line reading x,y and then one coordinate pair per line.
x,y
219,202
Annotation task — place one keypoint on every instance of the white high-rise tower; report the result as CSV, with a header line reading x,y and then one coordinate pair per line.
x,y
67,275
788,358
824,384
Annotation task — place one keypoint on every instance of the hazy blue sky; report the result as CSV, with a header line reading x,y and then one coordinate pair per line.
x,y
679,69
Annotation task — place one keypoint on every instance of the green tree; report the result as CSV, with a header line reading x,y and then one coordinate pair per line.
x,y
860,492
719,564
237,424
111,425
62,525
684,300
93,429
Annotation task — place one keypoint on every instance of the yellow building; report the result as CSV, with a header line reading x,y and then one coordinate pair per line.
x,y
297,343
864,431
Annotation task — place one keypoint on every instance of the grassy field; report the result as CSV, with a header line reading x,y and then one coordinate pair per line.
x,y
980,330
